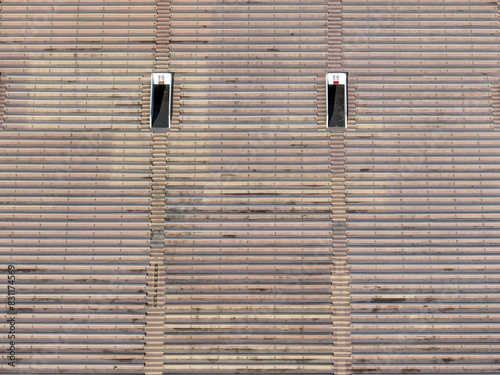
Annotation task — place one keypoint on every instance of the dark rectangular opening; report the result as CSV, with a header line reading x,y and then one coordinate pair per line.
x,y
336,100
336,110
161,106
161,100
